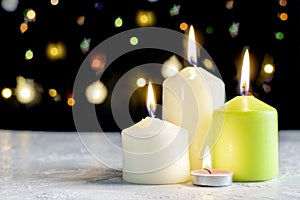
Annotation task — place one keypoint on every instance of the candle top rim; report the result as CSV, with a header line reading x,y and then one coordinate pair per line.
x,y
151,127
215,172
246,103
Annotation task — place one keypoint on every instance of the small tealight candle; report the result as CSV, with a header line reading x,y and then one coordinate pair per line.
x,y
155,151
211,177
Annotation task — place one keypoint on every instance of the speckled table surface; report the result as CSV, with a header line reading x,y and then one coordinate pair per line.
x,y
68,165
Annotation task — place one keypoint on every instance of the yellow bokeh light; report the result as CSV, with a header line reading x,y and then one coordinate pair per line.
x,y
55,51
283,16
145,18
23,27
208,63
6,93
52,92
183,26
71,101
141,82
268,68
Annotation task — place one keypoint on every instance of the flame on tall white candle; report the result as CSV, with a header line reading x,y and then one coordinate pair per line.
x,y
192,50
245,74
151,104
206,163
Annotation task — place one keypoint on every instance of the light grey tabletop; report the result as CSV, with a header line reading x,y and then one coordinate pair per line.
x,y
68,165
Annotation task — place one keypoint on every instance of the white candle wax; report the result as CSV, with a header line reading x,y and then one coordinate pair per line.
x,y
216,88
189,98
187,102
155,152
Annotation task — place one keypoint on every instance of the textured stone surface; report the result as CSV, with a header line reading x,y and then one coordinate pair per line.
x,y
68,165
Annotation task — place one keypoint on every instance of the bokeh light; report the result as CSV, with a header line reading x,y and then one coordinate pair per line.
x,y
23,27
170,67
30,15
175,10
134,41
25,90
183,26
279,35
6,93
208,64
54,2
28,54
283,16
85,45
266,88
9,5
96,92
71,101
209,30
145,18
282,2
52,92
229,4
80,20
98,6
234,29
118,22
141,82
97,62
268,69
55,51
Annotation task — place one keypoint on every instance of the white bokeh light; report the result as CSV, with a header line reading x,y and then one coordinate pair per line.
x,y
96,92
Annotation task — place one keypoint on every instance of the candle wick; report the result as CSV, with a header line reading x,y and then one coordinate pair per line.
x,y
151,113
207,170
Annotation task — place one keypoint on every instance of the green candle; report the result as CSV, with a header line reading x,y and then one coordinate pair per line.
x,y
248,141
245,131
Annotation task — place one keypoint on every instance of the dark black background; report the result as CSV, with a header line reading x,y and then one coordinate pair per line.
x,y
258,23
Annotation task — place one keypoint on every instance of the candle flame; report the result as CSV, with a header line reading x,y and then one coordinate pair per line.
x,y
206,163
245,74
192,50
151,104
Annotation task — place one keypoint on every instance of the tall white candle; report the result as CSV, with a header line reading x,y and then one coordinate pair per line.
x,y
155,152
189,98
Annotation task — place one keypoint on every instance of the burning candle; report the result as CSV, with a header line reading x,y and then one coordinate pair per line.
x,y
210,177
189,98
155,151
246,134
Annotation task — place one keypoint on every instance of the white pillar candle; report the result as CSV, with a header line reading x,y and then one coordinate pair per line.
x,y
155,151
187,103
216,88
189,98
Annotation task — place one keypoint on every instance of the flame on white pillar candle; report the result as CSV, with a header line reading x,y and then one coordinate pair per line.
x,y
192,50
245,74
151,104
